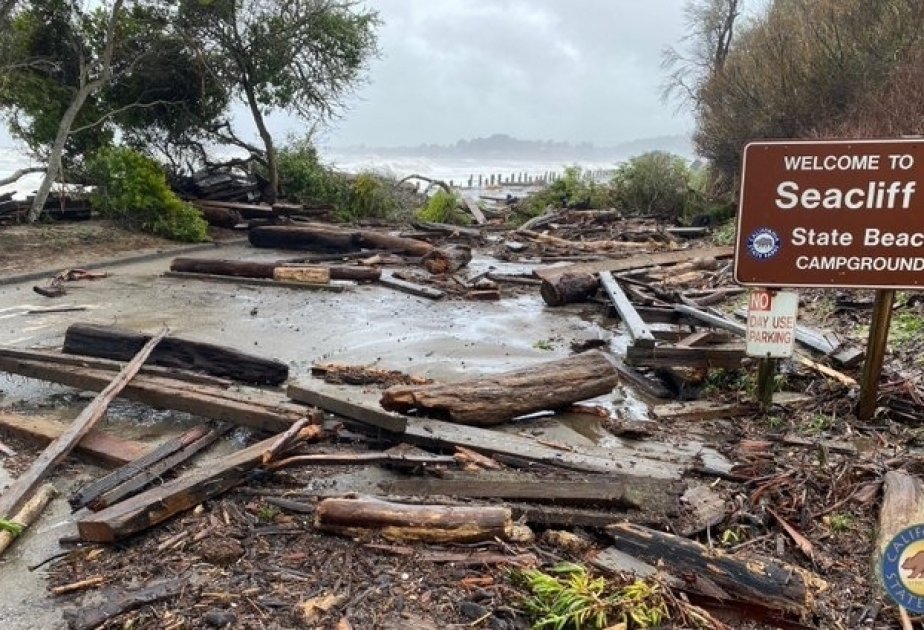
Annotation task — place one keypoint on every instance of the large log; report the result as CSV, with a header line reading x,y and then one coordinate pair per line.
x,y
762,581
396,244
118,344
251,269
20,490
568,288
220,217
488,401
425,523
447,260
304,238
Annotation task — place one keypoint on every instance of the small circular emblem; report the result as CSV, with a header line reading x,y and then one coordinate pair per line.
x,y
764,243
902,566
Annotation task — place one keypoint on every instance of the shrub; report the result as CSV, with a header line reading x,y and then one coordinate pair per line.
x,y
654,184
443,207
576,188
355,197
132,189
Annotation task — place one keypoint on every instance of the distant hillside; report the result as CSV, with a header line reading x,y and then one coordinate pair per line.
x,y
504,146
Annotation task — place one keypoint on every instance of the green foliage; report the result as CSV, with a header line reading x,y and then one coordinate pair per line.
x,y
654,184
840,521
568,597
305,180
906,327
443,207
817,424
725,233
133,190
12,527
576,188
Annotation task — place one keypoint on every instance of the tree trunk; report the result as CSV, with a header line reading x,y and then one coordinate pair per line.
x,y
568,288
489,401
70,115
120,345
424,523
272,164
447,260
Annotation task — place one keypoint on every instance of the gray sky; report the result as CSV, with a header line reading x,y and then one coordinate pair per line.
x,y
535,69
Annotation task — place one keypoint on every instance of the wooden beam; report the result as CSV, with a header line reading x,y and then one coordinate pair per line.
x,y
638,261
105,447
673,356
157,504
23,486
638,329
472,206
116,601
391,282
268,414
652,495
342,405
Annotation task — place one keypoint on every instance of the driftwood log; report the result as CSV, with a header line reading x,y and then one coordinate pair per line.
x,y
447,260
220,217
761,581
488,401
327,239
250,269
121,345
424,523
568,288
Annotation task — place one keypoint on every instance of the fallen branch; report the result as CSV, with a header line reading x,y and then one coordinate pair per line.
x,y
27,515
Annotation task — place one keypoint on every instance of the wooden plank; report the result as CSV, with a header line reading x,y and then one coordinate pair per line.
x,y
105,447
162,502
343,405
641,382
638,329
664,315
699,410
391,282
88,493
624,460
472,206
558,516
655,495
712,319
256,282
673,356
638,261
115,601
23,486
271,414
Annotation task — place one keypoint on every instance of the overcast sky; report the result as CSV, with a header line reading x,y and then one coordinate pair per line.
x,y
535,69
573,70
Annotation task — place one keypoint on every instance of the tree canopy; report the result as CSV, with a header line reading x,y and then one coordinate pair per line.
x,y
807,68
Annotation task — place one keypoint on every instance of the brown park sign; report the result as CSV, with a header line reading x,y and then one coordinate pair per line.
x,y
832,214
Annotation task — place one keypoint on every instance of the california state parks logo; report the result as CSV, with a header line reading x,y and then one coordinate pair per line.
x,y
763,243
902,565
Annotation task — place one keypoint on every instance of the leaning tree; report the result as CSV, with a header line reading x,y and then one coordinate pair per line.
x,y
302,57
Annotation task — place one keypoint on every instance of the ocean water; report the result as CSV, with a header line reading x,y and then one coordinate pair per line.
x,y
459,171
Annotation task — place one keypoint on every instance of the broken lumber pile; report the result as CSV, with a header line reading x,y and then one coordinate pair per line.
x,y
23,486
490,401
118,344
159,503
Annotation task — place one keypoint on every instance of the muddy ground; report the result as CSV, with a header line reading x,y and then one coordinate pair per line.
x,y
253,565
